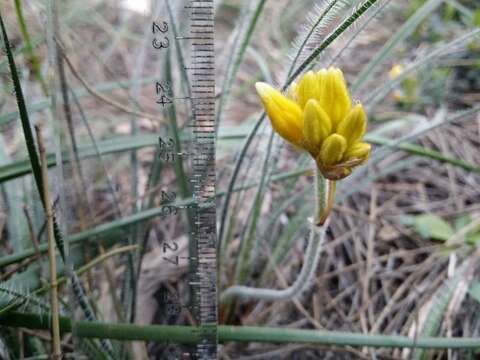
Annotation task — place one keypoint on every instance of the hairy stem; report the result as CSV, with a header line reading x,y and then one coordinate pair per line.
x,y
312,255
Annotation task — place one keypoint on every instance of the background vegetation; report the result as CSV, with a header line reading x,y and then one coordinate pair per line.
x,y
401,256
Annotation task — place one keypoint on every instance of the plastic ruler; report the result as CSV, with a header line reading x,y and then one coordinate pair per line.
x,y
197,38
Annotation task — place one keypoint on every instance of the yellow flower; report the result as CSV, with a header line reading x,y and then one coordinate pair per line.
x,y
317,115
395,71
407,94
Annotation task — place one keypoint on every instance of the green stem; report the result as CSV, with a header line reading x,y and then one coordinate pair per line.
x,y
246,334
28,48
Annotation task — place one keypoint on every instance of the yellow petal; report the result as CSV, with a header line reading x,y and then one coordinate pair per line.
x,y
316,126
353,127
307,88
332,150
358,150
285,115
333,94
292,91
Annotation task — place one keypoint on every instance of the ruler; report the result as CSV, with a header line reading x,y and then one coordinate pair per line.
x,y
202,68
198,40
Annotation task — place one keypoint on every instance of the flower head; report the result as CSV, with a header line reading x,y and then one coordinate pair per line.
x,y
317,115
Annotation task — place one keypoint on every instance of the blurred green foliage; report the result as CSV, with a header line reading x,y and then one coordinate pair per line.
x,y
434,227
450,79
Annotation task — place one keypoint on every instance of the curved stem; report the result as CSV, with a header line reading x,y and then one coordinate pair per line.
x,y
302,282
312,255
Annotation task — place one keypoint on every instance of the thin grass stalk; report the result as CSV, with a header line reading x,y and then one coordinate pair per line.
x,y
239,334
17,51
55,325
31,231
156,168
28,47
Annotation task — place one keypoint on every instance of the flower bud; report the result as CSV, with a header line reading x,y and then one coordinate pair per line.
x,y
358,150
307,88
353,127
316,126
285,115
332,150
333,94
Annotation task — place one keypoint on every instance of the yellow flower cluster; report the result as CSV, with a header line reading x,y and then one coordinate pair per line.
x,y
317,115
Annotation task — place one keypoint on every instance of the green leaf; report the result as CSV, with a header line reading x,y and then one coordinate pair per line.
x,y
462,221
473,239
407,220
433,227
